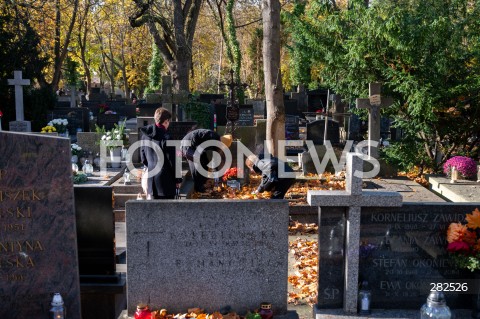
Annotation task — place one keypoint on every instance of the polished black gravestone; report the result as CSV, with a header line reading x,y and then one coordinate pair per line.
x,y
316,129
108,121
246,116
103,291
402,251
78,118
38,249
95,231
407,253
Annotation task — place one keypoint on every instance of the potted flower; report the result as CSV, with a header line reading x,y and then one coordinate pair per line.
x,y
60,126
230,174
48,129
113,141
464,242
466,167
76,150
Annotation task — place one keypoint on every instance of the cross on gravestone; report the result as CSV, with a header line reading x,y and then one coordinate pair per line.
x,y
170,100
354,198
374,103
18,82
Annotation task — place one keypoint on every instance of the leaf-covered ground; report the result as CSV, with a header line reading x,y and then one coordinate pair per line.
x,y
297,194
304,280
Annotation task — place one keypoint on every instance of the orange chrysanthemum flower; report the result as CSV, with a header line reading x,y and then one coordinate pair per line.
x,y
473,219
456,232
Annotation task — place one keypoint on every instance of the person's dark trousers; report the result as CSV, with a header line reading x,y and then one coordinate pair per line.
x,y
281,187
198,179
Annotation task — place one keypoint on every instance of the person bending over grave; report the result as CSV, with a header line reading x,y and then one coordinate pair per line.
x,y
271,181
196,138
163,184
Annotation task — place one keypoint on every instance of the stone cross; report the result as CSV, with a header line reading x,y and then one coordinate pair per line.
x,y
170,100
354,198
18,82
374,103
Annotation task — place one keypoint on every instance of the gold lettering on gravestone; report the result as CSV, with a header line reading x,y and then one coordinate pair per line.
x,y
20,195
17,255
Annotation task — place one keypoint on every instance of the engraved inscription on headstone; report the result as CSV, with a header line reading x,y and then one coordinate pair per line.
x,y
404,250
207,254
245,116
38,250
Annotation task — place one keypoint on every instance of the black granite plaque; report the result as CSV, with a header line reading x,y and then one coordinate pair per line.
x,y
404,250
37,226
246,116
292,129
331,244
95,230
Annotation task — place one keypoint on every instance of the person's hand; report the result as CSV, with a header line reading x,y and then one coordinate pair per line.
x,y
177,185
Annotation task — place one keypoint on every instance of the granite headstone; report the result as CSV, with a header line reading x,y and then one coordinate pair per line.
x,y
37,226
78,118
404,252
95,230
246,116
208,254
316,129
108,120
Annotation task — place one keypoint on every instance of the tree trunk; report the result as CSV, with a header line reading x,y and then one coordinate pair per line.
x,y
59,51
273,78
179,70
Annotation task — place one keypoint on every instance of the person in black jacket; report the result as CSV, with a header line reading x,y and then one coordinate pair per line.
x,y
196,138
268,167
163,184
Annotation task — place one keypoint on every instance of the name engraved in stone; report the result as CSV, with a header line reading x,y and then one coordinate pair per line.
x,y
23,261
3,172
399,217
415,263
448,218
404,285
20,246
227,264
16,212
19,195
224,236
